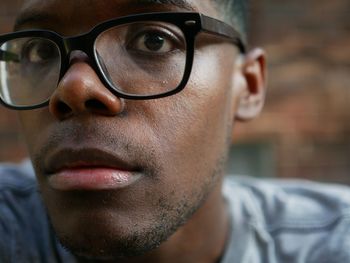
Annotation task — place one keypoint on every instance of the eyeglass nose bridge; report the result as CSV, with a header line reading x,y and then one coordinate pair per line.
x,y
83,43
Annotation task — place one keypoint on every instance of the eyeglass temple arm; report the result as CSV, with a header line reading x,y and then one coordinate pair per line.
x,y
221,29
8,56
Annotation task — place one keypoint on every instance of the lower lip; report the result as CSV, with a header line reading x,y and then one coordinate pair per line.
x,y
92,179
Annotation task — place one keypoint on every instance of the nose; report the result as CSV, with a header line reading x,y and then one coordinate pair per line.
x,y
80,91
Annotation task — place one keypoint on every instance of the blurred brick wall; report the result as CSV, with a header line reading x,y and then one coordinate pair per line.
x,y
307,113
11,146
306,117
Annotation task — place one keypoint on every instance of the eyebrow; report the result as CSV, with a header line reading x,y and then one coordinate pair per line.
x,y
183,4
32,16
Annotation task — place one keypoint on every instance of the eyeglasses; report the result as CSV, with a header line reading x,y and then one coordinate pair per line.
x,y
143,56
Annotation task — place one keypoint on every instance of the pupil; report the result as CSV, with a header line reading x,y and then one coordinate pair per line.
x,y
154,42
39,51
45,52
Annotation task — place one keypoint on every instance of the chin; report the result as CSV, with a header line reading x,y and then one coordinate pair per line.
x,y
109,248
101,240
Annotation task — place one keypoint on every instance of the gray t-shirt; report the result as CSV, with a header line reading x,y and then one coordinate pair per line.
x,y
272,221
287,221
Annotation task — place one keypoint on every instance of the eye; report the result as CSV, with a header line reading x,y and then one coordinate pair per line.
x,y
154,42
157,42
39,51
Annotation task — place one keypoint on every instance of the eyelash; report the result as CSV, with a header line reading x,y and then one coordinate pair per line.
x,y
164,33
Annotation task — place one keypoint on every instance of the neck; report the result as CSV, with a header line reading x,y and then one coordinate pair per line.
x,y
204,236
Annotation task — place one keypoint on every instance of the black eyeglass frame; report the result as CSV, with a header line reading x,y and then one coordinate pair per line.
x,y
189,22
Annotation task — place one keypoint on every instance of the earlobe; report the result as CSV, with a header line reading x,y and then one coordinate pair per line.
x,y
252,97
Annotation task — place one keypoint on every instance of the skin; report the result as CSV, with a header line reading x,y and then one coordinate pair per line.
x,y
179,144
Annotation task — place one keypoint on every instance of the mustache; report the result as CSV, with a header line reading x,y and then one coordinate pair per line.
x,y
125,144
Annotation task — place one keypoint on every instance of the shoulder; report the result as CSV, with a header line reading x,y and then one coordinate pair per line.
x,y
25,232
18,190
293,217
278,201
17,177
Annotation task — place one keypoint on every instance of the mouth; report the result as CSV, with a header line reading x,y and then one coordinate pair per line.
x,y
89,169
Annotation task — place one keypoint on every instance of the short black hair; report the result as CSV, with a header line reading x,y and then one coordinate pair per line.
x,y
235,12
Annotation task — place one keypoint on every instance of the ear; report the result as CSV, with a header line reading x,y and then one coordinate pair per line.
x,y
252,97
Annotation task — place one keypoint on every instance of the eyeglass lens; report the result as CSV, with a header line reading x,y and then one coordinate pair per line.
x,y
29,70
143,58
140,58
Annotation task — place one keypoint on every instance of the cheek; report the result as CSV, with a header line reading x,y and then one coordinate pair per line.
x,y
28,121
33,125
208,99
194,125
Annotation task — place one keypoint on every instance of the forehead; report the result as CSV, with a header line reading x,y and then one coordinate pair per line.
x,y
68,13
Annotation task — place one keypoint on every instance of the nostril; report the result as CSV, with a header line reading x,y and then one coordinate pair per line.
x,y
63,108
96,105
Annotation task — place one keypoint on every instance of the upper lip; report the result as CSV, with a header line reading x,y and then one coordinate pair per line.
x,y
70,158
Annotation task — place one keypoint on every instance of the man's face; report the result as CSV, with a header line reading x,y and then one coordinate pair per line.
x,y
119,176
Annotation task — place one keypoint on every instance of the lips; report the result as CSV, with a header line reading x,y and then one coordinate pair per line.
x,y
89,169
